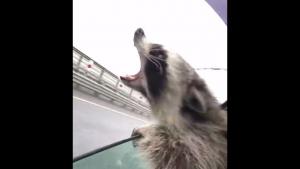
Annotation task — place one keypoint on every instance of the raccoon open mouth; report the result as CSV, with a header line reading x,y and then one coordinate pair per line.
x,y
135,80
129,78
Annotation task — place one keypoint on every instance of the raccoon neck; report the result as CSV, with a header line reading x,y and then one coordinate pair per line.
x,y
168,117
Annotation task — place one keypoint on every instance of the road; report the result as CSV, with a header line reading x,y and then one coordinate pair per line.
x,y
97,123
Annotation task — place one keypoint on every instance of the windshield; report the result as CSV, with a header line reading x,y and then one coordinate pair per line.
x,y
123,156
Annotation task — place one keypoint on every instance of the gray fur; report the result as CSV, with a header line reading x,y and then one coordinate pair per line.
x,y
191,128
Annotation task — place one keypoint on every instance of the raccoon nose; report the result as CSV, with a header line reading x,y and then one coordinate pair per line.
x,y
138,35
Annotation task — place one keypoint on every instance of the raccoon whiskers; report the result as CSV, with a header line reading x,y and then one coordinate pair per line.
x,y
157,58
156,63
153,61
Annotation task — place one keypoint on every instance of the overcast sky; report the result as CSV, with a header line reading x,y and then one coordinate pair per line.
x,y
103,29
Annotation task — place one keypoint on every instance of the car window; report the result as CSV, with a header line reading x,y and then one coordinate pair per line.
x,y
122,156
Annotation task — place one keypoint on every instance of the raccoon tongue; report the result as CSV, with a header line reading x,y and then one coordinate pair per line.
x,y
130,77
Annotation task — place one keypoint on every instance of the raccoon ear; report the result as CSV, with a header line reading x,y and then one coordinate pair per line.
x,y
194,101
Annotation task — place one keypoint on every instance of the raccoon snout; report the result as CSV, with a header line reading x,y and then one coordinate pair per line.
x,y
138,36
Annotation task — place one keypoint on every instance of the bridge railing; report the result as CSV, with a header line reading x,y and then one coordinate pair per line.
x,y
100,80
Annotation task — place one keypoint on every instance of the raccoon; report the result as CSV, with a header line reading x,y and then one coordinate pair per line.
x,y
190,131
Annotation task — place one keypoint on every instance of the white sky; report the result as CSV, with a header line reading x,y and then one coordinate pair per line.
x,y
103,29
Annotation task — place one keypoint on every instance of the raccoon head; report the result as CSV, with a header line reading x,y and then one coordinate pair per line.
x,y
172,87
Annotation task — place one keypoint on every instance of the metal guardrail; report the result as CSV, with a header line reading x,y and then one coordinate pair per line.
x,y
102,81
